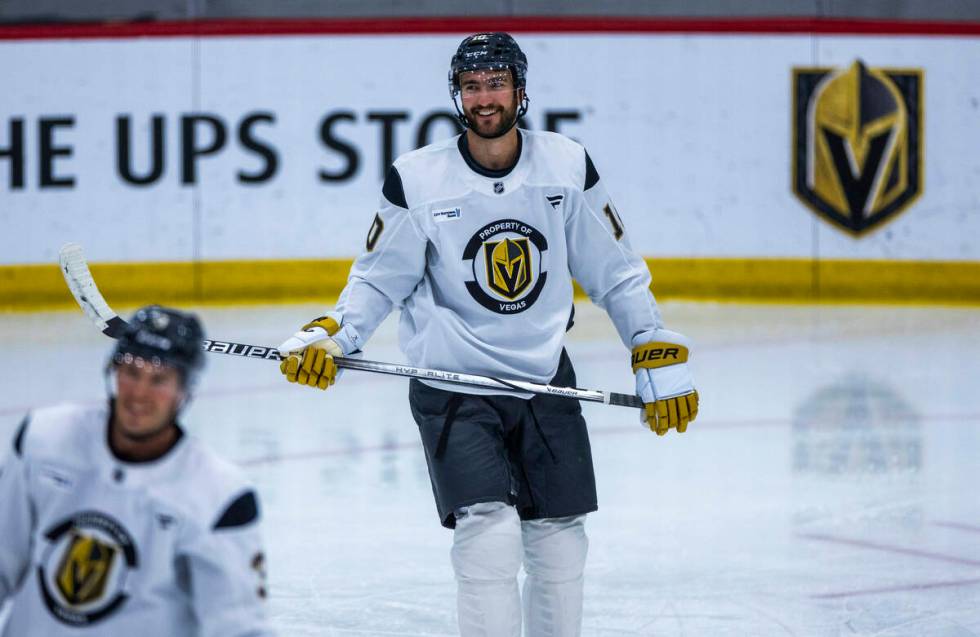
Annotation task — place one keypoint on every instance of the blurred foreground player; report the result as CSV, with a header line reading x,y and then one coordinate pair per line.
x,y
114,522
476,241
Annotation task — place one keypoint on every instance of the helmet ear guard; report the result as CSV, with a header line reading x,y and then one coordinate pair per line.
x,y
489,51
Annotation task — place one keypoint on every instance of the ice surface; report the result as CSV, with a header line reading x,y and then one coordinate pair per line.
x,y
829,486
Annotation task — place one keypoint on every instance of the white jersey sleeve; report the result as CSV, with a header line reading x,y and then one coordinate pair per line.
x,y
15,522
390,267
225,566
601,260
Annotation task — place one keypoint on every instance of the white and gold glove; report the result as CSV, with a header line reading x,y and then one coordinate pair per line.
x,y
664,381
308,355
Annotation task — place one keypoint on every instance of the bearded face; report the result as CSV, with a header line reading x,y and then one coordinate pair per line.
x,y
489,100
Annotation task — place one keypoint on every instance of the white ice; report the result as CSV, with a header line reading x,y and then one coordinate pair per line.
x,y
829,486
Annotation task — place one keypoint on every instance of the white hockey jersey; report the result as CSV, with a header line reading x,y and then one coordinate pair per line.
x,y
481,262
92,545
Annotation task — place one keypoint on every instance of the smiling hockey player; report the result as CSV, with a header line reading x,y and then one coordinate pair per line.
x,y
476,241
115,523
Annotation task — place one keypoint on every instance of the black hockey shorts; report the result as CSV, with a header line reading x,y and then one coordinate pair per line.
x,y
533,454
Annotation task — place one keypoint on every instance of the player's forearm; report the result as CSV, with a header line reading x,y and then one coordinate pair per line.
x,y
618,281
632,309
363,306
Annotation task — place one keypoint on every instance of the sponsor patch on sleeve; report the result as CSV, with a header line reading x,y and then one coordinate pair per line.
x,y
446,215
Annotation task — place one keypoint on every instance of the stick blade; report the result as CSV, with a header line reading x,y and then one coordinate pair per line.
x,y
79,279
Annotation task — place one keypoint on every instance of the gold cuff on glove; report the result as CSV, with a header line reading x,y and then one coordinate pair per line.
x,y
654,355
329,325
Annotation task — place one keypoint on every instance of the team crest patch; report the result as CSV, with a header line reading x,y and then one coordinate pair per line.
x,y
857,143
84,569
506,261
508,266
83,573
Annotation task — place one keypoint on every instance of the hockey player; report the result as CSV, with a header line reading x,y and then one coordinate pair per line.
x,y
114,522
476,242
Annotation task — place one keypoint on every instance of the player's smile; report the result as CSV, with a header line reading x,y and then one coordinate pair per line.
x,y
485,115
490,119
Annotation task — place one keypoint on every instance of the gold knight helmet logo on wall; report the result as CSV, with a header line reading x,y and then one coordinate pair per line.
x,y
857,143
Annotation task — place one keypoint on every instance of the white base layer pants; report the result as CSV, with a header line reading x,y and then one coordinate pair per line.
x,y
489,545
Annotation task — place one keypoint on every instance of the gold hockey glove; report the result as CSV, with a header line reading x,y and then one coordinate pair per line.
x,y
308,354
664,381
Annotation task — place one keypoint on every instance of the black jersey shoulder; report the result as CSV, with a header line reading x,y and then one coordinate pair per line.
x,y
19,436
591,174
393,190
243,510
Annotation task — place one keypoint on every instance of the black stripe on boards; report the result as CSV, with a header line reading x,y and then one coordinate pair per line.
x,y
244,510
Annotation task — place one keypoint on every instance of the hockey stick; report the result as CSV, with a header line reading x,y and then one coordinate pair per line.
x,y
79,279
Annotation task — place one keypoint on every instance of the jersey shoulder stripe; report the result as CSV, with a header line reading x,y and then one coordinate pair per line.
x,y
242,511
19,437
591,174
393,190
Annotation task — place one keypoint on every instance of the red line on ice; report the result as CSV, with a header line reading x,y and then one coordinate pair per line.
x,y
820,537
898,589
959,526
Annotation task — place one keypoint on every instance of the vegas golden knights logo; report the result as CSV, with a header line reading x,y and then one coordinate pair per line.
x,y
857,143
83,572
510,276
84,567
508,266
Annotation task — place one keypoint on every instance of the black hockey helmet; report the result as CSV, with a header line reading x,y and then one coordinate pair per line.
x,y
488,51
163,336
494,51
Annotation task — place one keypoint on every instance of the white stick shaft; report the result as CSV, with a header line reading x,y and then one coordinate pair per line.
x,y
472,380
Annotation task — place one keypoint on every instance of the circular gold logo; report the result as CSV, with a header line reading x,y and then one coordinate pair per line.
x,y
506,259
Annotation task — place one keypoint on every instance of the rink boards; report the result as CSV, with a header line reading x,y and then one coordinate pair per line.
x,y
246,164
